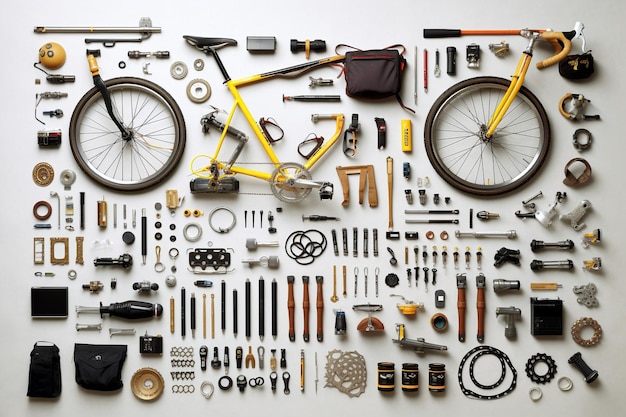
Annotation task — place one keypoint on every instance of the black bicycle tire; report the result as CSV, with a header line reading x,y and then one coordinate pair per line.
x,y
177,152
485,191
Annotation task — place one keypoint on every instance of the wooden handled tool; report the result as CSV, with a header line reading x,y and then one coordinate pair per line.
x,y
319,304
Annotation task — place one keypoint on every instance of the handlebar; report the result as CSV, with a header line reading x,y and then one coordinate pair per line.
x,y
561,41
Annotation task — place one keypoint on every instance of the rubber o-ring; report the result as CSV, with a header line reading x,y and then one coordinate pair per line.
x,y
121,64
565,384
225,386
46,214
535,393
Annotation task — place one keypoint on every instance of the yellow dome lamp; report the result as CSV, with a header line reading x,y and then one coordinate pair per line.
x,y
52,55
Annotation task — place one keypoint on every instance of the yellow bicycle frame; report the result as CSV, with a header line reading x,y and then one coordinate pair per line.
x,y
240,104
517,81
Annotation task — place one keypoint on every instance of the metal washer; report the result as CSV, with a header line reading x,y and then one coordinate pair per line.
x,y
198,90
43,174
147,384
178,70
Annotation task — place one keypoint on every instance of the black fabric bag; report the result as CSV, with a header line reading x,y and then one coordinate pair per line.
x,y
577,67
375,74
99,367
44,376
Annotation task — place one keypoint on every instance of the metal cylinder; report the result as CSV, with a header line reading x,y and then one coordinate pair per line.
x,y
451,63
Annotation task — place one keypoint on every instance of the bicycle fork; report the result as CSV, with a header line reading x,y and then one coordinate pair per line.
x,y
516,84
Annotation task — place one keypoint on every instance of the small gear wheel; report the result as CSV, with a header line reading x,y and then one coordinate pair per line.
x,y
532,363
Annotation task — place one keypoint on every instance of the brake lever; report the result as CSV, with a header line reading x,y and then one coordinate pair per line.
x,y
578,28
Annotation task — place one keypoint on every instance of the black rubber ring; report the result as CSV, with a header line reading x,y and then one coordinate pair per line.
x,y
228,385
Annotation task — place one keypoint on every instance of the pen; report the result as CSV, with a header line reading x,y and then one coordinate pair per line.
x,y
425,70
274,308
193,314
235,312
182,312
223,304
248,312
144,236
261,308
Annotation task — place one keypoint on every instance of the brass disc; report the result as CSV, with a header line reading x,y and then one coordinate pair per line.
x,y
147,384
43,174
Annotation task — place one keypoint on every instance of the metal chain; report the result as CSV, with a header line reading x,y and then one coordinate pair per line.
x,y
483,350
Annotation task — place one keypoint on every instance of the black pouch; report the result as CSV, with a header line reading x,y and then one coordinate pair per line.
x,y
375,74
44,376
577,67
99,367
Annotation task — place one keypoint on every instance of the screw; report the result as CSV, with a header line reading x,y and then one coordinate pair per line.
x,y
54,113
425,269
434,271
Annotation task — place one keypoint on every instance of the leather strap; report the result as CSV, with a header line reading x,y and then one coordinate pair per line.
x,y
306,305
291,305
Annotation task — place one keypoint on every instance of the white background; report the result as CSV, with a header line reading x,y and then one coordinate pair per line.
x,y
365,24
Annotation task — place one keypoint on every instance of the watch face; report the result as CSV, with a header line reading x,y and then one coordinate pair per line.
x,y
49,302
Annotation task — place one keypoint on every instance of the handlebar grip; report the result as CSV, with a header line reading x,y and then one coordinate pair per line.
x,y
562,46
442,33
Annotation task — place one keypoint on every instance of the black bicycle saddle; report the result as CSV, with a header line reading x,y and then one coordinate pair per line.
x,y
206,43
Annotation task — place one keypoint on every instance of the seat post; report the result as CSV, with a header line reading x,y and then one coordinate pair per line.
x,y
213,52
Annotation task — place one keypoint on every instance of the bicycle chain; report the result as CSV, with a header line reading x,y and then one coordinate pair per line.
x,y
504,360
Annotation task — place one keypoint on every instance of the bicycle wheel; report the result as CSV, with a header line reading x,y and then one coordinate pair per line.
x,y
151,153
462,155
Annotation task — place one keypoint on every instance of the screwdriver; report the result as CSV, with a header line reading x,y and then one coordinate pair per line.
x,y
131,310
318,218
307,97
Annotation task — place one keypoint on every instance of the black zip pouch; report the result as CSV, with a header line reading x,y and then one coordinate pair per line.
x,y
99,367
375,74
44,376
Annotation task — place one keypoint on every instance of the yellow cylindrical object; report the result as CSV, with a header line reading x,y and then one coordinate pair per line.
x,y
102,213
407,136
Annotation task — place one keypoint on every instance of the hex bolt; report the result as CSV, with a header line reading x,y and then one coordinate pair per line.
x,y
538,265
590,375
536,245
